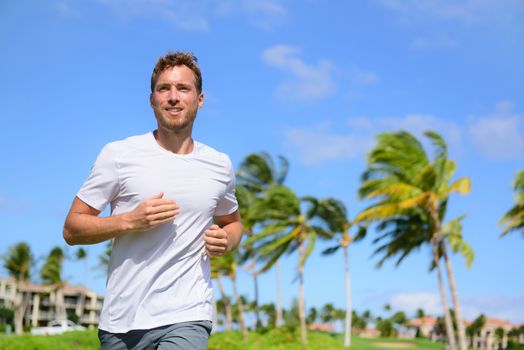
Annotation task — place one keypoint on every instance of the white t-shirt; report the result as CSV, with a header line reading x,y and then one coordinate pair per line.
x,y
160,276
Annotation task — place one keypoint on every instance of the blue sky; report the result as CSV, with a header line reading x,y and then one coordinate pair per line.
x,y
314,81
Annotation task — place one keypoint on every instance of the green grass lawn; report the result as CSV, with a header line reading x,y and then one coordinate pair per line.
x,y
271,340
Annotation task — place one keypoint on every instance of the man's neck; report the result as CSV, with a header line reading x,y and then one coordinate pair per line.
x,y
179,143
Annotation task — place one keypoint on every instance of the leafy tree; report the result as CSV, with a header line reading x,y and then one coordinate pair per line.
x,y
270,311
411,194
51,274
385,327
226,265
81,255
358,322
328,313
295,230
256,174
513,220
292,316
223,306
18,262
399,318
474,328
334,213
312,316
104,258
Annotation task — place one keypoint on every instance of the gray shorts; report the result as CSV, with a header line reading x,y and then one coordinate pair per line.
x,y
179,336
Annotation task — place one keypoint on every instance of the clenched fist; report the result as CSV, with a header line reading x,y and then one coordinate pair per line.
x,y
216,241
152,212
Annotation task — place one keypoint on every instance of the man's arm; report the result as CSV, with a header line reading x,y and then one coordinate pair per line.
x,y
225,235
84,226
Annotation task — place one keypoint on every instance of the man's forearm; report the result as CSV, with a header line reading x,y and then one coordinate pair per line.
x,y
88,229
234,234
84,226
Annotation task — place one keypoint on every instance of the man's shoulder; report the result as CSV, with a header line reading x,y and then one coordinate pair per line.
x,y
212,153
129,143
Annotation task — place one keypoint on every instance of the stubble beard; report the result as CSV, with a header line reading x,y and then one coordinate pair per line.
x,y
178,125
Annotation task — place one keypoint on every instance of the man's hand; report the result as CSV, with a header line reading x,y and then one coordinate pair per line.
x,y
216,241
150,213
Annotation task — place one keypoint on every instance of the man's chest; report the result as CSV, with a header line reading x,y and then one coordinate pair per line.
x,y
193,185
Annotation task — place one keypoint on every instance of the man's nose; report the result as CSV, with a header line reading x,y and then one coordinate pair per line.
x,y
174,95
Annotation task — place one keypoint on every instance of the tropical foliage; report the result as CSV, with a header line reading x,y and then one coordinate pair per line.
x,y
513,220
410,194
18,262
407,192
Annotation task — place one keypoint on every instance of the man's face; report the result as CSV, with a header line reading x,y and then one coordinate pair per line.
x,y
175,99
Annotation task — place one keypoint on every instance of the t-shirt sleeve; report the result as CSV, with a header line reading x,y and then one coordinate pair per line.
x,y
102,184
228,203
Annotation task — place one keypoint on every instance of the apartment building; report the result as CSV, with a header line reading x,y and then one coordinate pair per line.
x,y
42,302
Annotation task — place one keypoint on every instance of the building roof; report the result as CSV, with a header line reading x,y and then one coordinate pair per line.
x,y
423,321
496,323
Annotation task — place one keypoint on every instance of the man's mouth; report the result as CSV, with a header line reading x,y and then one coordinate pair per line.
x,y
174,110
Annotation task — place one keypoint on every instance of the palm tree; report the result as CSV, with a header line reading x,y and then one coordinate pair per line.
x,y
473,330
81,254
226,265
405,184
105,258
335,215
217,274
51,274
252,212
328,313
256,174
271,314
18,262
513,220
405,234
294,230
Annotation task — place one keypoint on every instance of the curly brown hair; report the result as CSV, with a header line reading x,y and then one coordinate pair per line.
x,y
177,58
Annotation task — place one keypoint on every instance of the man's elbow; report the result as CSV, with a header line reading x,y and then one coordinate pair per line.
x,y
69,235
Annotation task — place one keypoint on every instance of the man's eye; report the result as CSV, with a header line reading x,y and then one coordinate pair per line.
x,y
163,88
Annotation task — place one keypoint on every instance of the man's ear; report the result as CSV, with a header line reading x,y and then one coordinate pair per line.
x,y
200,100
151,100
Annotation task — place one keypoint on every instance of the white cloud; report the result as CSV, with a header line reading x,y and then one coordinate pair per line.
x,y
307,82
463,11
314,147
196,15
504,307
499,135
409,302
363,77
417,124
316,144
185,14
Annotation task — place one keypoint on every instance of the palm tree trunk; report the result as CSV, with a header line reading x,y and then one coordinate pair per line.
x,y
447,317
240,305
20,306
59,303
280,318
258,323
301,302
227,305
454,295
215,316
347,331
